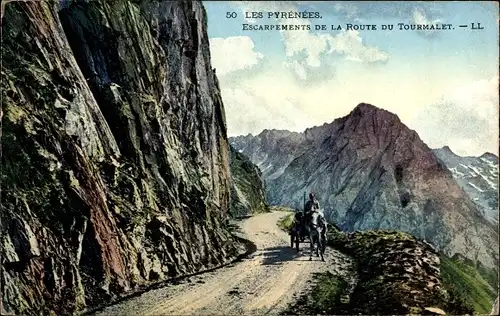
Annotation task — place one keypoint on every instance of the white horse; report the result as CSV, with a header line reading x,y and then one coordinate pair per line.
x,y
317,227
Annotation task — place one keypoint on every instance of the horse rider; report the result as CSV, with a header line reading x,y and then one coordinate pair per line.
x,y
311,205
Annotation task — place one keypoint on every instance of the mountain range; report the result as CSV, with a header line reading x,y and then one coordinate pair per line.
x,y
477,176
370,171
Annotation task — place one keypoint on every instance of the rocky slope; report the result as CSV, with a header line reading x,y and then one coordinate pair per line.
x,y
115,168
477,176
247,189
370,171
271,151
398,274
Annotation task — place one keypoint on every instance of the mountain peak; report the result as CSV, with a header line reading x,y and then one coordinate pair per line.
x,y
367,154
490,156
363,107
448,150
276,133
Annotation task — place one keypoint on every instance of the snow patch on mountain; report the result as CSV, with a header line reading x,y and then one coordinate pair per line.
x,y
477,176
475,187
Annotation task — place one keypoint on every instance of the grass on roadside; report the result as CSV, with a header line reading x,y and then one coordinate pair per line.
x,y
280,208
465,281
286,222
325,298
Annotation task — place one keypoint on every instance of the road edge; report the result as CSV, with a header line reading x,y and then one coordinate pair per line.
x,y
249,246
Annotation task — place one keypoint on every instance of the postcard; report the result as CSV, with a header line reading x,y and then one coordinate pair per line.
x,y
249,158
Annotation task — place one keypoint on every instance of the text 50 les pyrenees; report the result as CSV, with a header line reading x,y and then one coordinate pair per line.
x,y
283,15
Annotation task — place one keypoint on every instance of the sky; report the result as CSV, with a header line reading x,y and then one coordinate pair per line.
x,y
441,83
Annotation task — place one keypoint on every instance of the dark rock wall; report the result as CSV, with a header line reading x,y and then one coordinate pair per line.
x,y
115,168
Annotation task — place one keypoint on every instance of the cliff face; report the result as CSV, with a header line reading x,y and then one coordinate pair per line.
x,y
370,171
247,190
115,167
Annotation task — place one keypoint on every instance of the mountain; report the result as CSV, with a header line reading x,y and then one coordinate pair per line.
x,y
477,176
272,151
115,158
247,190
370,171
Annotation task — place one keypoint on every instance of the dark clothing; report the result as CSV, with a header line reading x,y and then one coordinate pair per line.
x,y
298,216
297,222
311,205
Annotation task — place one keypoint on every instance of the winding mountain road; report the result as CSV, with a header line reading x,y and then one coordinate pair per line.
x,y
264,283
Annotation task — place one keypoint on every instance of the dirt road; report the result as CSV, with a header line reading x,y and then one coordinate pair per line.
x,y
265,283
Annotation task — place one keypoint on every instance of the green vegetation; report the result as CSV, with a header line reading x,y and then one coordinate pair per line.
x,y
329,295
465,283
280,209
328,292
490,275
286,222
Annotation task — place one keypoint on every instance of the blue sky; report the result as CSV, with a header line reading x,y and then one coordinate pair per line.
x,y
298,79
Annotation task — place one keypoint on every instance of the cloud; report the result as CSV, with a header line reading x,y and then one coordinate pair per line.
x,y
263,109
424,13
316,47
419,17
390,9
308,52
465,118
233,53
274,98
298,68
349,10
312,44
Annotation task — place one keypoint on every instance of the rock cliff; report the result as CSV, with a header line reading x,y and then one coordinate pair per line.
x,y
370,171
247,189
115,162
